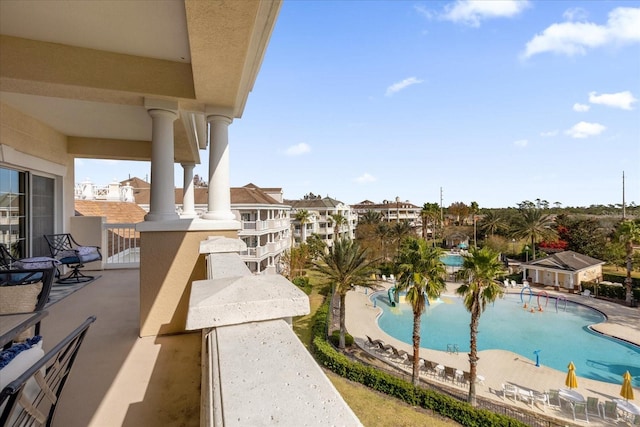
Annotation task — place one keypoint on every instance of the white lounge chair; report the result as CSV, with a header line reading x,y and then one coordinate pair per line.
x,y
513,283
586,293
511,390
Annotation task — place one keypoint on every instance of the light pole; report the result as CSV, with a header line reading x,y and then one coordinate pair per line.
x,y
513,246
526,251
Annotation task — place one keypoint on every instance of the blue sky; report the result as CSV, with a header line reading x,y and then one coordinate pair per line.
x,y
495,102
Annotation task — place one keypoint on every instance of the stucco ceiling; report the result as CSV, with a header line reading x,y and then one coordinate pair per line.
x,y
85,68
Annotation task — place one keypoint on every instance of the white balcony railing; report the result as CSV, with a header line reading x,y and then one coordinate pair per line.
x,y
121,247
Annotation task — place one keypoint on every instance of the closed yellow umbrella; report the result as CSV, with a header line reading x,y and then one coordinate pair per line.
x,y
627,390
572,380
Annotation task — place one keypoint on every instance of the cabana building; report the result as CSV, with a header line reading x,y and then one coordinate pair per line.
x,y
563,270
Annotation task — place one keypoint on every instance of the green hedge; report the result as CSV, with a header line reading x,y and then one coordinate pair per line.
x,y
620,278
303,283
335,338
610,291
449,407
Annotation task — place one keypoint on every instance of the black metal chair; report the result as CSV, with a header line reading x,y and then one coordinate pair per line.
x,y
32,398
6,259
70,253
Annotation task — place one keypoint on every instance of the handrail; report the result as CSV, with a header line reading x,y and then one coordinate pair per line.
x,y
122,245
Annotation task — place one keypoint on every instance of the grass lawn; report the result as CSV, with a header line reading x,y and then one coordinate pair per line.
x,y
378,410
611,269
372,408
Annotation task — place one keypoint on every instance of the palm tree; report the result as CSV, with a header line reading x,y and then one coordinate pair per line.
x,y
492,222
338,220
474,208
420,274
429,213
370,217
304,217
383,232
480,267
345,265
400,231
629,234
533,225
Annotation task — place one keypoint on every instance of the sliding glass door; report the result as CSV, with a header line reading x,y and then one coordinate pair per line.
x,y
27,212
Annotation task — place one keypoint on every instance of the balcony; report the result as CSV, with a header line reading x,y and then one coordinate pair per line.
x,y
119,378
220,374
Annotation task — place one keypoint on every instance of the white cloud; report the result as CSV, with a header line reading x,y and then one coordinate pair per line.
x,y
585,130
472,12
575,14
574,38
549,134
521,143
298,149
581,108
397,87
624,100
365,178
424,12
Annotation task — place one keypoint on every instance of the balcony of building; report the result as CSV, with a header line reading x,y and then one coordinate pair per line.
x,y
223,370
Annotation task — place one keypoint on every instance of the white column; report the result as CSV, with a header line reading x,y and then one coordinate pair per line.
x,y
219,201
188,197
162,206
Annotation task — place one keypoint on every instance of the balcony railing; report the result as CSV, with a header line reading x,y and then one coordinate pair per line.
x,y
250,353
270,224
122,246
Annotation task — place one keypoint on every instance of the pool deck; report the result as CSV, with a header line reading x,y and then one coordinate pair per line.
x,y
499,366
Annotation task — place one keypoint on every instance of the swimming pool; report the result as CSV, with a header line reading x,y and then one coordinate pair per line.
x,y
452,260
561,336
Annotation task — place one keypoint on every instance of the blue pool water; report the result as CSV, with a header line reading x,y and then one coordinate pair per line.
x,y
451,260
561,336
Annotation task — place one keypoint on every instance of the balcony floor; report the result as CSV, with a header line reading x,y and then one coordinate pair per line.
x,y
118,378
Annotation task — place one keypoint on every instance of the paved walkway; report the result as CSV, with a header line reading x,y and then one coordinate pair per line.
x,y
498,366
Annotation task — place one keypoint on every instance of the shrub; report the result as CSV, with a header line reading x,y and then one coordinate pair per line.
x,y
335,338
611,291
303,283
619,278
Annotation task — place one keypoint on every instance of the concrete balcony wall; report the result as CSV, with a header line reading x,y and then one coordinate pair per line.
x,y
255,369
169,263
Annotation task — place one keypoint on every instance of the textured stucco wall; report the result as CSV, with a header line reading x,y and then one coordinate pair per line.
x,y
169,262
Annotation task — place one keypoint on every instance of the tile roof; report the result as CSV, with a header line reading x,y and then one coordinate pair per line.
x,y
368,205
567,260
325,202
249,194
114,212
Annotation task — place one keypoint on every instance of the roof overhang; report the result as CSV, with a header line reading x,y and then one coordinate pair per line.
x,y
86,68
